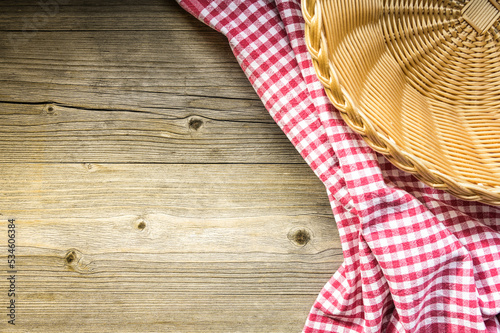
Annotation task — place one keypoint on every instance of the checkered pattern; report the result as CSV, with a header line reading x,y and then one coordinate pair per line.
x,y
415,259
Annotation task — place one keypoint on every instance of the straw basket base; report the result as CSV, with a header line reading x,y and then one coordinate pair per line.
x,y
420,81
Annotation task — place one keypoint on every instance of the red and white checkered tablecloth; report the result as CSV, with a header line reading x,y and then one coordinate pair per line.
x,y
416,259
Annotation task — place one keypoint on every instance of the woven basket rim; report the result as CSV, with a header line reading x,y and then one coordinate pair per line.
x,y
317,46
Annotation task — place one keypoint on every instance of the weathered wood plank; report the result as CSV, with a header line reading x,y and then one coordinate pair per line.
x,y
188,209
55,133
41,190
91,80
94,15
127,291
103,247
137,70
122,70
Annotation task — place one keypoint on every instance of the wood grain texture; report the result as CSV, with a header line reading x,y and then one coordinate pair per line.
x,y
123,15
151,193
117,247
48,132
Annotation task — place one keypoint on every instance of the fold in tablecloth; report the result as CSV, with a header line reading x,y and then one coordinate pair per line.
x,y
415,259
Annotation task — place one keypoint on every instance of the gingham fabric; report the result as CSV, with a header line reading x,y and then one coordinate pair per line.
x,y
415,259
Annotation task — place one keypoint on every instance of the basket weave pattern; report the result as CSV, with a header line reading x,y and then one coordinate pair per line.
x,y
420,81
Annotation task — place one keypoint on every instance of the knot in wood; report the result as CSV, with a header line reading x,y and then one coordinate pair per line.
x,y
50,109
300,236
76,261
71,257
195,123
141,225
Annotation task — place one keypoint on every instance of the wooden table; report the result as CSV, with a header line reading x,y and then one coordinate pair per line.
x,y
151,190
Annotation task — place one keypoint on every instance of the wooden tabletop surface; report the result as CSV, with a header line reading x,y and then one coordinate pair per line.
x,y
151,190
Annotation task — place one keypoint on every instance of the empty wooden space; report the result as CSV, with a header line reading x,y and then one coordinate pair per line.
x,y
151,190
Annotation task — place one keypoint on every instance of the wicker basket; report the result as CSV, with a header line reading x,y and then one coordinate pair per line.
x,y
420,81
